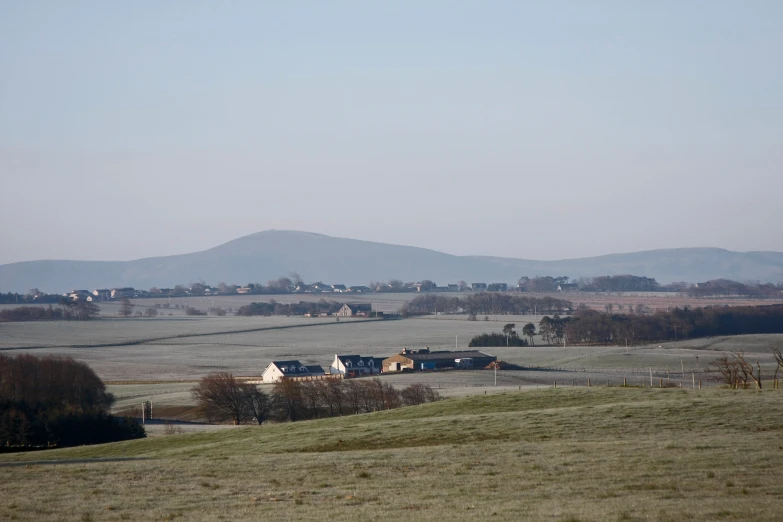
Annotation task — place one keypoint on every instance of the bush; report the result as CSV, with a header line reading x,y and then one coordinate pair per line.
x,y
56,401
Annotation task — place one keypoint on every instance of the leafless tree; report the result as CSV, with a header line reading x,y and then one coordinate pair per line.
x,y
778,359
736,370
222,397
151,311
418,394
287,399
311,397
256,402
126,307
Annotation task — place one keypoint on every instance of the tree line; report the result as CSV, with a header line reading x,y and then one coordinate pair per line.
x,y
593,327
728,288
221,397
56,401
486,303
66,310
300,308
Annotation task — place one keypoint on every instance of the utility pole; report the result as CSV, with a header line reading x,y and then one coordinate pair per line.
x,y
651,385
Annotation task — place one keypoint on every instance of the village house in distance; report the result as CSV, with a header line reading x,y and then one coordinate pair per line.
x,y
356,365
355,310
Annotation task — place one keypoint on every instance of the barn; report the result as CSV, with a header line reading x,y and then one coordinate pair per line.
x,y
423,360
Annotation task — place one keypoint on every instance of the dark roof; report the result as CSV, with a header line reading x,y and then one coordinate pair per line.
x,y
432,356
292,366
315,369
356,358
341,287
360,307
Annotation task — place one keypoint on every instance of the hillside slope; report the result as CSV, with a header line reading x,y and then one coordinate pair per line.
x,y
564,454
267,255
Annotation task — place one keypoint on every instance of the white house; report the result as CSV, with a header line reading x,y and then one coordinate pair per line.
x,y
356,364
355,309
290,369
119,293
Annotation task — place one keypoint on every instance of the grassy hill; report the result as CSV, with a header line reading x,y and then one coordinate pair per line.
x,y
272,253
563,454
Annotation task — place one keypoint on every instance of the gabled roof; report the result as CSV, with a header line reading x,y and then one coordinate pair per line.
x,y
294,367
338,287
360,307
354,359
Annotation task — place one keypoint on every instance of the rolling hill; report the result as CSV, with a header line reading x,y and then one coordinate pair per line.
x,y
270,254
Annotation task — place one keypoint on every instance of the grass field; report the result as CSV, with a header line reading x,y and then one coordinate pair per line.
x,y
561,455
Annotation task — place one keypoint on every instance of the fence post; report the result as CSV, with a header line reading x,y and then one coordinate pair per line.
x,y
555,384
625,381
700,384
660,383
588,382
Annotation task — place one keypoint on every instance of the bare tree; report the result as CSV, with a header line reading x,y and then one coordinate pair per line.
x,y
778,359
221,397
737,370
151,311
418,394
256,402
727,368
126,307
287,399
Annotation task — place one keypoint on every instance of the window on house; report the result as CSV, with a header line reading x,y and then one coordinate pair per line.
x,y
361,363
347,364
283,368
302,368
369,363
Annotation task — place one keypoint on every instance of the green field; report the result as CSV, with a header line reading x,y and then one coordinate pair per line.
x,y
565,454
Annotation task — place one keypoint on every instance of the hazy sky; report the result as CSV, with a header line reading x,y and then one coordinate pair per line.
x,y
540,130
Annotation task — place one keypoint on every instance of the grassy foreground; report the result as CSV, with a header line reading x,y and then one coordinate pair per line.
x,y
556,454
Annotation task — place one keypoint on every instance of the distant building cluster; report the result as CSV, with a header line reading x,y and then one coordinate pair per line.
x,y
348,366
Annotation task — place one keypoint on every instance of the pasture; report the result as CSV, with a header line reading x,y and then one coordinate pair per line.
x,y
566,454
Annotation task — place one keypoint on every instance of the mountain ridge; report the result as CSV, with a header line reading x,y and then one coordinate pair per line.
x,y
269,254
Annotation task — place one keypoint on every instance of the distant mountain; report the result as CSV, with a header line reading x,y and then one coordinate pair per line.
x,y
270,254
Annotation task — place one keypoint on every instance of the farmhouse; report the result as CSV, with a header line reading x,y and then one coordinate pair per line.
x,y
339,288
355,310
293,369
119,293
76,295
360,289
478,287
427,360
103,293
356,365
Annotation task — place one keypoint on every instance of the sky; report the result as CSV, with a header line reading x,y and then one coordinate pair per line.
x,y
539,130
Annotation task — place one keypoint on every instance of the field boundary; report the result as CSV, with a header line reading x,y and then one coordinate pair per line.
x,y
135,342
